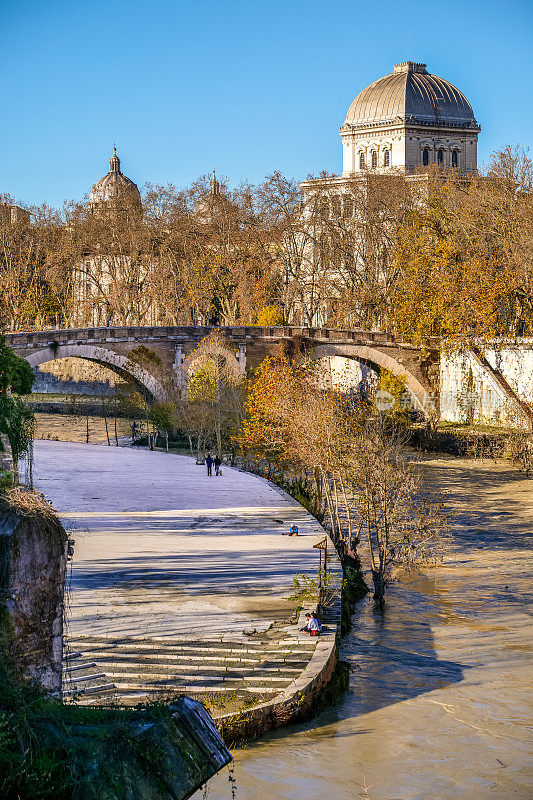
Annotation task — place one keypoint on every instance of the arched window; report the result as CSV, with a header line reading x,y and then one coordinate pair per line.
x,y
374,159
336,207
347,207
455,159
425,156
321,252
323,206
361,160
386,158
440,156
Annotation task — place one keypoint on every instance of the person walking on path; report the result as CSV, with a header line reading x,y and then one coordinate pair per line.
x,y
217,462
209,464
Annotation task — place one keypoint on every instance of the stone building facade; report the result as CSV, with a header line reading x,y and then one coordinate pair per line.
x,y
101,273
402,124
408,124
13,215
407,120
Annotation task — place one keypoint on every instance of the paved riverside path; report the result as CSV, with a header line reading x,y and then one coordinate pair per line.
x,y
179,581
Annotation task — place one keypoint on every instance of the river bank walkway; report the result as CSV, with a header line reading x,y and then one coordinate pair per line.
x,y
179,582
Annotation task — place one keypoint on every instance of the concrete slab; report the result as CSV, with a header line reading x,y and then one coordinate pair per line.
x,y
165,553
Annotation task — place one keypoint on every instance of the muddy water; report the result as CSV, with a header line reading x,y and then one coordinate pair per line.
x,y
70,428
439,701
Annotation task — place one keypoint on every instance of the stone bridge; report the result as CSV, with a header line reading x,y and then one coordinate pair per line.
x,y
111,347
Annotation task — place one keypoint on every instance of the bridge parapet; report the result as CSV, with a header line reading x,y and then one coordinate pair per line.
x,y
420,367
112,347
188,333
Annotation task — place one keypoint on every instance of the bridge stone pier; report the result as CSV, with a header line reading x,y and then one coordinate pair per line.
x,y
111,347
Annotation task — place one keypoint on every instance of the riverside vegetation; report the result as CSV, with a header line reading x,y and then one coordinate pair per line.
x,y
457,265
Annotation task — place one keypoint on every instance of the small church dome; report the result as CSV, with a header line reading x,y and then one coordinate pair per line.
x,y
114,185
411,94
213,204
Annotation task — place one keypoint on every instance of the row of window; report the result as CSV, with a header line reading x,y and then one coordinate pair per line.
x,y
374,159
387,160
440,157
340,206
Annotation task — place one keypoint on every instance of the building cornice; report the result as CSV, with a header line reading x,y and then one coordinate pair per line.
x,y
344,180
348,129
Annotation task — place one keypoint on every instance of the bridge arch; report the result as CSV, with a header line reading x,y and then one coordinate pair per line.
x,y
231,361
107,358
379,360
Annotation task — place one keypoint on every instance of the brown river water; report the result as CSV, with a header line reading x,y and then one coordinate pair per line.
x,y
70,428
439,702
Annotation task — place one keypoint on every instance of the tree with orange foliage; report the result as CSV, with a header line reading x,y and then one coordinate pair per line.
x,y
362,483
464,259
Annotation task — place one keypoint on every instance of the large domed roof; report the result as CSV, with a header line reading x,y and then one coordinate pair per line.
x,y
411,94
114,184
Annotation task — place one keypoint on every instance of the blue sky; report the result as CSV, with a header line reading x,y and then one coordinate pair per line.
x,y
247,86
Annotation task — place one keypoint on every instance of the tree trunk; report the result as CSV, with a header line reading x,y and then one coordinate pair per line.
x,y
348,514
15,460
106,431
318,493
327,493
379,587
337,510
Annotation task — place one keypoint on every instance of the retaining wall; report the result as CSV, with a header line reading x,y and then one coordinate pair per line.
x,y
33,551
298,700
295,703
469,391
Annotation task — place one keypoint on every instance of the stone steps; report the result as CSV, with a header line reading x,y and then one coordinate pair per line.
x,y
207,669
130,669
232,646
98,689
176,682
82,679
133,690
199,671
211,662
132,654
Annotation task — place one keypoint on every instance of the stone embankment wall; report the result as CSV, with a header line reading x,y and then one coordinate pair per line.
x,y
493,387
301,697
296,702
33,555
75,376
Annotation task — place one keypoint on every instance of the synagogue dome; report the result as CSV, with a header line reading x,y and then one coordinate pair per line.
x,y
114,185
410,94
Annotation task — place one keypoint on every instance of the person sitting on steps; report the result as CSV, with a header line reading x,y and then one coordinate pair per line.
x,y
315,626
307,620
